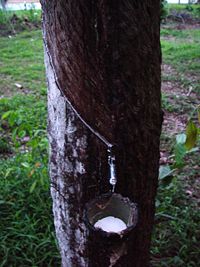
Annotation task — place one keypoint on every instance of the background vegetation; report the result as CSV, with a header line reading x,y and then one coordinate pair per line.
x,y
26,227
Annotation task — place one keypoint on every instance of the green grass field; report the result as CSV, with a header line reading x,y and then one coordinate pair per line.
x,y
27,235
183,53
26,226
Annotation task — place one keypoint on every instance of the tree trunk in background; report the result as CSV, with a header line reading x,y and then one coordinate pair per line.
x,y
104,57
3,3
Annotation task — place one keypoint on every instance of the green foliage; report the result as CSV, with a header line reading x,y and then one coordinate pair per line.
x,y
25,120
4,18
164,172
177,216
4,146
192,135
31,15
191,10
12,22
165,175
166,105
179,154
175,240
197,11
26,224
163,9
184,144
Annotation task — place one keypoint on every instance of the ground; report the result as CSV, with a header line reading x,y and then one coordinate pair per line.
x,y
177,233
181,91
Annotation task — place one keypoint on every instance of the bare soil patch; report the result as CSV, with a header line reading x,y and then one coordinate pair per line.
x,y
174,123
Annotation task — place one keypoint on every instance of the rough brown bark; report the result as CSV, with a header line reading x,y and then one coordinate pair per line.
x,y
104,57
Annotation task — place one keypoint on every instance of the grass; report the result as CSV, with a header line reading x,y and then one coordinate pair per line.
x,y
22,62
26,225
191,35
177,233
12,22
176,236
181,51
31,15
27,233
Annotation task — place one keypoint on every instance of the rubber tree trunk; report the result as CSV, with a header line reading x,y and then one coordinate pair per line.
x,y
3,4
103,58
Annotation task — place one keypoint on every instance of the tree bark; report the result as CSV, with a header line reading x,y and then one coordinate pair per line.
x,y
3,3
103,60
